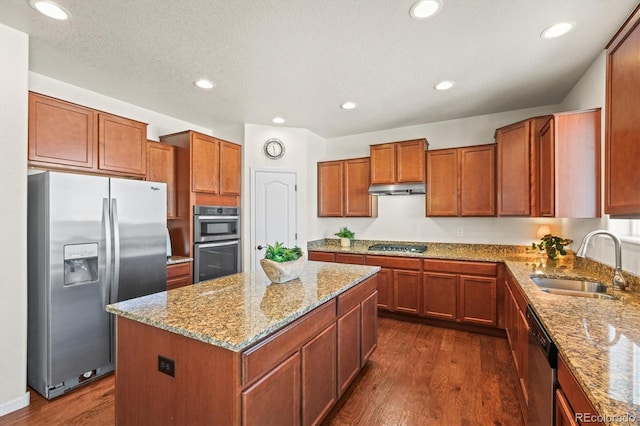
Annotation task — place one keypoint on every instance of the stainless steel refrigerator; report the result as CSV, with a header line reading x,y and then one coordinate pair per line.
x,y
92,241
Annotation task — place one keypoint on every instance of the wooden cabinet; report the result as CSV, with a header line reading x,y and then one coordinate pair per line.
x,y
274,399
354,259
230,168
571,400
460,291
517,329
161,167
461,181
343,189
622,150
322,256
568,165
179,275
399,283
398,162
349,337
319,369
63,135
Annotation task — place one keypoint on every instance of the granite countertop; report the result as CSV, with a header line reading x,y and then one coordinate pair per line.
x,y
172,260
599,339
236,311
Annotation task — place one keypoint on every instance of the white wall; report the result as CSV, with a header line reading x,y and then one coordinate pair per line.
x,y
590,92
301,148
14,64
403,217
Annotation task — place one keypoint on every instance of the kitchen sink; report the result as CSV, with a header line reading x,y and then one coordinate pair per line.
x,y
577,288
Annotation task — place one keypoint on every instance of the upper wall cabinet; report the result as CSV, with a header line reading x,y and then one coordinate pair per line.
x,y
622,145
398,162
549,166
161,167
63,135
461,181
343,189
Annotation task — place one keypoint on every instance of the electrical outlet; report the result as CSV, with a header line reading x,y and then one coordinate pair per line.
x,y
460,232
166,366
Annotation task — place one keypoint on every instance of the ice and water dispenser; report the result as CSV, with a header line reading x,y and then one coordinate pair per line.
x,y
80,263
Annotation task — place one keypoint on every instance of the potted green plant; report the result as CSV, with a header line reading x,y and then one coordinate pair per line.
x,y
552,245
282,264
345,236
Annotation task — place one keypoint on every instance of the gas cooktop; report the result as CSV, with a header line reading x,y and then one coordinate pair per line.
x,y
399,247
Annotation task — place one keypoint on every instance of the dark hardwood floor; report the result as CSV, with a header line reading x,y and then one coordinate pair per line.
x,y
418,375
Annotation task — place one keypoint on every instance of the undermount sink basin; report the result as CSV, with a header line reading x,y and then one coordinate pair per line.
x,y
578,288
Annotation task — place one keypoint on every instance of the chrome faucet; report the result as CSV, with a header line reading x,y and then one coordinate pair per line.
x,y
619,283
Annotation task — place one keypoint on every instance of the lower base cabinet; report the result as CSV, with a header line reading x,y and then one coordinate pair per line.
x,y
179,275
319,390
572,405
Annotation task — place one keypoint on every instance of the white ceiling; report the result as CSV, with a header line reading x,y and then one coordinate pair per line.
x,y
301,59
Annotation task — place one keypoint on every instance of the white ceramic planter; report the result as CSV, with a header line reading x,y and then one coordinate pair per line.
x,y
345,242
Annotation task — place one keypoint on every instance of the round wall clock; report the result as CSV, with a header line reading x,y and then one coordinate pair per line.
x,y
274,148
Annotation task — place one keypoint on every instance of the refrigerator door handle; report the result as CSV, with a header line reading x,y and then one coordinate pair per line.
x,y
107,248
116,251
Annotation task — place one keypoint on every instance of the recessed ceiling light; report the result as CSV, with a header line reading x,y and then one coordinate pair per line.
x,y
424,9
557,30
278,120
444,85
349,105
50,9
204,84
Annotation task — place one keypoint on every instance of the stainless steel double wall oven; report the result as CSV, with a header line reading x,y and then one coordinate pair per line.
x,y
216,241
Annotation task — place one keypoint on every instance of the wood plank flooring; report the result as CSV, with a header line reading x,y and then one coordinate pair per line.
x,y
418,375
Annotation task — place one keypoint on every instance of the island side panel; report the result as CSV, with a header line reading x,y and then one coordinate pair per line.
x,y
204,390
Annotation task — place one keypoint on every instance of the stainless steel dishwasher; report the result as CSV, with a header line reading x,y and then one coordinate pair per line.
x,y
543,364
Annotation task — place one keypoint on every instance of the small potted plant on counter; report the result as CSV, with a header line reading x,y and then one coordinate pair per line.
x,y
345,236
282,264
552,245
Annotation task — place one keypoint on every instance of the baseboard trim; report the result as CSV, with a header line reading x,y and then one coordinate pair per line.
x,y
15,404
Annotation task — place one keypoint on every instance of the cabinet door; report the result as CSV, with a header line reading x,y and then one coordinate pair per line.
x,y
330,189
406,291
523,354
348,347
622,150
385,289
439,297
357,201
205,164
230,168
369,327
161,168
546,171
410,161
122,145
477,180
513,184
355,259
478,300
61,132
442,182
319,376
383,163
275,399
564,415
321,256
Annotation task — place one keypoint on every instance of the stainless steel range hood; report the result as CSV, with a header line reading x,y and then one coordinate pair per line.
x,y
398,189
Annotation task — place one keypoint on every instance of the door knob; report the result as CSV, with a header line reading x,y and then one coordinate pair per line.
x,y
260,247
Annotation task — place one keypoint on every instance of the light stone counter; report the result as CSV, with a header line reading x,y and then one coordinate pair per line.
x,y
236,311
599,339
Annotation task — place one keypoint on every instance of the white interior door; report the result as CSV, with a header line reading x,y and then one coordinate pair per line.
x,y
273,211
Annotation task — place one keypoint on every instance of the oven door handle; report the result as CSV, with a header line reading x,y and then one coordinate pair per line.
x,y
200,217
226,243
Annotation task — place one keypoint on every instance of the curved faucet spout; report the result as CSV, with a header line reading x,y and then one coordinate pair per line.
x,y
619,283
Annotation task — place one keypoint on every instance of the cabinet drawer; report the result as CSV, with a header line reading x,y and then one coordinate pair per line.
x,y
356,295
178,270
356,259
394,262
261,358
321,256
475,268
573,392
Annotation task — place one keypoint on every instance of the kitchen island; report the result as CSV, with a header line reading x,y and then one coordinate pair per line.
x,y
240,350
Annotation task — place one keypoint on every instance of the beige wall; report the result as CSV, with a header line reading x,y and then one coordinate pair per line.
x,y
14,63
